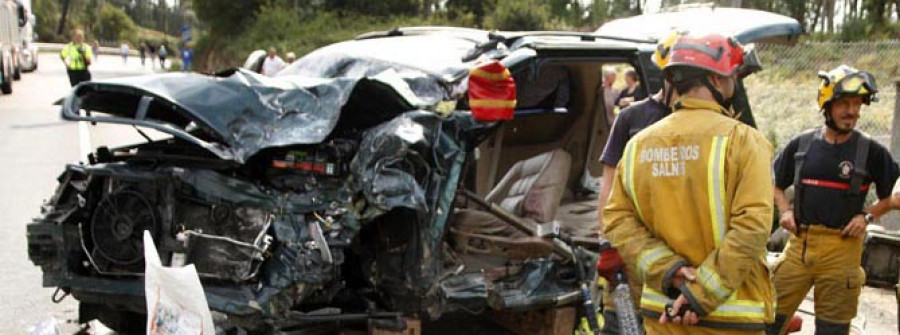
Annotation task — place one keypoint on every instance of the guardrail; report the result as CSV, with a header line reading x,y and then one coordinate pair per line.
x,y
57,47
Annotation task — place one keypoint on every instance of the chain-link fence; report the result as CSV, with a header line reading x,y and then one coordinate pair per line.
x,y
783,95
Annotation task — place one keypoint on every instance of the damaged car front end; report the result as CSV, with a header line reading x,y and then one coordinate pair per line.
x,y
324,194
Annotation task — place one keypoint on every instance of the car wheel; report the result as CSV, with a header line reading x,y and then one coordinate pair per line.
x,y
6,87
17,73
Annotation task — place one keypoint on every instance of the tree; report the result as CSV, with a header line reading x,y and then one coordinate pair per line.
x,y
519,15
62,18
377,8
226,18
478,8
46,13
114,24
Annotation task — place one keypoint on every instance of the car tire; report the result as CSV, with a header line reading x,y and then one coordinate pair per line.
x,y
6,87
17,73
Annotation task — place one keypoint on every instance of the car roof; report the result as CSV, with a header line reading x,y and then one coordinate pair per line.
x,y
745,25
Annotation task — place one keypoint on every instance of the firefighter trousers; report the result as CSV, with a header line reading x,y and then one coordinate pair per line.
x,y
820,257
654,327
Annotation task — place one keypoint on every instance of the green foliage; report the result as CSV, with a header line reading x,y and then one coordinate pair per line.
x,y
226,17
377,8
46,14
519,15
277,25
115,25
477,9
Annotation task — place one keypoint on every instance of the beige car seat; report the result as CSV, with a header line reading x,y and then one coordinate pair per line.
x,y
532,189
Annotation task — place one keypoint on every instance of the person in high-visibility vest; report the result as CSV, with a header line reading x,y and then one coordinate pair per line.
x,y
77,56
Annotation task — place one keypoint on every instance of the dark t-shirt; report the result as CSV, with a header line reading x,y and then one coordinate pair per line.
x,y
630,121
637,94
834,207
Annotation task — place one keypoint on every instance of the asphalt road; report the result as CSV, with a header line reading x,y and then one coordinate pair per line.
x,y
35,145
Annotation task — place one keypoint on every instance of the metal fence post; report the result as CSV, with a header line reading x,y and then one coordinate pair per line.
x,y
895,127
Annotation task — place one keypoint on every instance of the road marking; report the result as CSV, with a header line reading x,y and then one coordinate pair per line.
x,y
84,141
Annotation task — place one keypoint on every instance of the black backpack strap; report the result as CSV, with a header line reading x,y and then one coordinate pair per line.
x,y
863,142
806,140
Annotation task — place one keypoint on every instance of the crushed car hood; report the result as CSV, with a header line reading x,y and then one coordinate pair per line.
x,y
237,113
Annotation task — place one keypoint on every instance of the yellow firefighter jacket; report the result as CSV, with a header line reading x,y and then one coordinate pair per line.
x,y
696,189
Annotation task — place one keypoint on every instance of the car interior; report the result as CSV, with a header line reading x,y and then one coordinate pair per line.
x,y
536,165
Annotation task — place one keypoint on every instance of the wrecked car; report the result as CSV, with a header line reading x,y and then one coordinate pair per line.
x,y
359,184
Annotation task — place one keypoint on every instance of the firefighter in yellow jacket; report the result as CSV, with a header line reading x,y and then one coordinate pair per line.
x,y
691,204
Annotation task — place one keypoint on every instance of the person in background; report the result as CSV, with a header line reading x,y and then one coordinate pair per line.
x,y
163,54
95,48
290,57
125,50
610,94
187,58
77,56
142,49
632,91
272,64
151,54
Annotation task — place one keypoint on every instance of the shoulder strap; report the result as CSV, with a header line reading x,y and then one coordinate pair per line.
x,y
806,140
863,142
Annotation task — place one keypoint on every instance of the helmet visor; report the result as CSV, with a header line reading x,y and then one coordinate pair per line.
x,y
750,62
860,83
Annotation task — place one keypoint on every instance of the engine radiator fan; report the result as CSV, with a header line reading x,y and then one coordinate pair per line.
x,y
118,226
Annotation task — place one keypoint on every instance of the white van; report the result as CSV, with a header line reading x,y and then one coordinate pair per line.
x,y
9,45
29,50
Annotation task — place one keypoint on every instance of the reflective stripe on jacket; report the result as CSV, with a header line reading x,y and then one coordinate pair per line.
x,y
696,189
74,58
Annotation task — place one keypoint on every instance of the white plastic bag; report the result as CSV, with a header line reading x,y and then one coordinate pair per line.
x,y
175,300
48,326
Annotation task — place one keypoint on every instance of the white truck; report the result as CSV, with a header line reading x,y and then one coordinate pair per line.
x,y
10,45
29,49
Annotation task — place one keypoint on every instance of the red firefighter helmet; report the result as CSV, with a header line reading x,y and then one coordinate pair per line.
x,y
714,53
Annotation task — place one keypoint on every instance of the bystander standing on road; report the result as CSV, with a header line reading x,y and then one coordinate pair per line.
x,y
272,63
95,47
831,168
142,49
187,58
163,54
77,56
151,54
125,50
